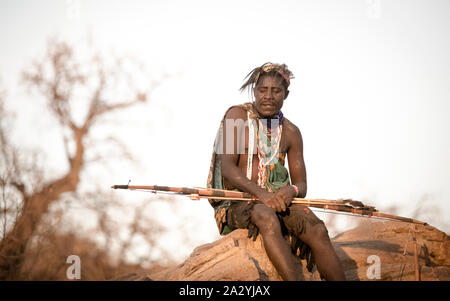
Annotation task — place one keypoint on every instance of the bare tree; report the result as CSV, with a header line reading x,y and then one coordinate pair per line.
x,y
59,77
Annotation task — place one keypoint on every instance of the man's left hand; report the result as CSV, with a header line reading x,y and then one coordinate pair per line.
x,y
286,195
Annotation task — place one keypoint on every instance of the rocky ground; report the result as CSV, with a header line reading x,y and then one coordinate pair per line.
x,y
375,250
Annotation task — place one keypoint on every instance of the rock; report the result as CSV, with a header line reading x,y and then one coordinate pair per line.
x,y
136,276
237,258
393,243
231,258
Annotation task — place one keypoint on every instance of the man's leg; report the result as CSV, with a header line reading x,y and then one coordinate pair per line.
x,y
315,235
277,248
325,257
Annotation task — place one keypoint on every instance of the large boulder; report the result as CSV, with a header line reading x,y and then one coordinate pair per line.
x,y
387,244
391,244
231,258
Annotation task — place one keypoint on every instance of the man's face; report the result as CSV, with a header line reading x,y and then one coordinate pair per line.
x,y
269,95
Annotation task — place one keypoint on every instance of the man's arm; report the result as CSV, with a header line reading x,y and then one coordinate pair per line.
x,y
296,162
229,159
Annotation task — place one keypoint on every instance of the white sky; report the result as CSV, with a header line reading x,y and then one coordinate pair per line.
x,y
371,93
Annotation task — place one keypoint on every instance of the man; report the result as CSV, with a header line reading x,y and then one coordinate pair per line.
x,y
251,158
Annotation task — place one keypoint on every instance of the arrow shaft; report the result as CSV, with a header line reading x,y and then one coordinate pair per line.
x,y
219,194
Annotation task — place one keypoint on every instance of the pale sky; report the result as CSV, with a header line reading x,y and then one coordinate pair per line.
x,y
371,93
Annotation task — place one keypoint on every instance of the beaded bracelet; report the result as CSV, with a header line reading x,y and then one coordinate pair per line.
x,y
296,190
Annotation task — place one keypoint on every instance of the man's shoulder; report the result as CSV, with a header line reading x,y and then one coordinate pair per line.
x,y
238,111
289,124
291,128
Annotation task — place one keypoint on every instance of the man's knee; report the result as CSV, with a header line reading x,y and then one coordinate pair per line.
x,y
264,218
319,232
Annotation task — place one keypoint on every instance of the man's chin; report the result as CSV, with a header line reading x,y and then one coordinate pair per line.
x,y
267,112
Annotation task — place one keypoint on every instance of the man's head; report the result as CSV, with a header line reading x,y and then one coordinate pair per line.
x,y
269,84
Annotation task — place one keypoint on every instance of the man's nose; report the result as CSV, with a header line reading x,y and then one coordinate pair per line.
x,y
268,94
